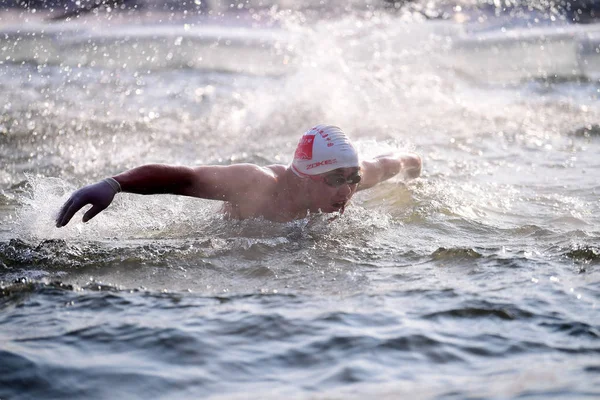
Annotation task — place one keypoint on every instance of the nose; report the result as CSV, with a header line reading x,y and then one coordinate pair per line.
x,y
345,190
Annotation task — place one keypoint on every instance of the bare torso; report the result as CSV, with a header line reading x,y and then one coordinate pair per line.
x,y
271,199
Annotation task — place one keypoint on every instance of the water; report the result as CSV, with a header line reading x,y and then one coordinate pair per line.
x,y
478,280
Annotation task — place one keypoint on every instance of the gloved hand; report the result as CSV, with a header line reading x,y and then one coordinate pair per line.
x,y
99,195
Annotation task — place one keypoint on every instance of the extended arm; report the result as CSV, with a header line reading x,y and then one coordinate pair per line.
x,y
385,167
227,183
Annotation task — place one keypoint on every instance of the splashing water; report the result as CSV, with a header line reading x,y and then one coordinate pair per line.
x,y
481,276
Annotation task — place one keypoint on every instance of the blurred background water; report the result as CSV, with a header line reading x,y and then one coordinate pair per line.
x,y
478,280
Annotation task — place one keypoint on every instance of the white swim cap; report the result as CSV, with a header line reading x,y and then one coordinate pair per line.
x,y
323,149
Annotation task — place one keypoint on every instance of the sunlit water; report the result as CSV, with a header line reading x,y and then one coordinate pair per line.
x,y
478,280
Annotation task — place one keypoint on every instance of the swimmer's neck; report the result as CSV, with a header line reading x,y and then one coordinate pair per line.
x,y
295,196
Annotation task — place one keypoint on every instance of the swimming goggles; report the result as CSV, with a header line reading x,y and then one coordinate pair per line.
x,y
337,180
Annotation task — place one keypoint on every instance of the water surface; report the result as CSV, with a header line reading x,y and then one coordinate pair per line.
x,y
478,280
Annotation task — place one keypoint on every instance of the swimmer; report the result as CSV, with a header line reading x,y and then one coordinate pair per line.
x,y
323,176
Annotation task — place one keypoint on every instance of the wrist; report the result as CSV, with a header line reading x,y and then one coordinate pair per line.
x,y
114,184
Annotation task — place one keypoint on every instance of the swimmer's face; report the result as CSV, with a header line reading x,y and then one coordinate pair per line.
x,y
332,190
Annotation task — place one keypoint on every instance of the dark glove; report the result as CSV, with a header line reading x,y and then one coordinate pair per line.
x,y
99,195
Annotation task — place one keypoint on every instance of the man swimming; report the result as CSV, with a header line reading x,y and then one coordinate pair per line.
x,y
324,175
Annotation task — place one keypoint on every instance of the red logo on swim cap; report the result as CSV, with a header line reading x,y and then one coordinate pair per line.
x,y
305,148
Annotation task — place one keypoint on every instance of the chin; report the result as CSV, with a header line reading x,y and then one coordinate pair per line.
x,y
332,208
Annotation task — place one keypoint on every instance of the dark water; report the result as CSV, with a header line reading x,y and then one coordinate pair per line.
x,y
478,280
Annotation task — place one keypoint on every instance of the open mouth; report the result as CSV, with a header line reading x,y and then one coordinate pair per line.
x,y
339,205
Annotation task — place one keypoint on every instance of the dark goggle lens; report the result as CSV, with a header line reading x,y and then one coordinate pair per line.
x,y
338,180
354,179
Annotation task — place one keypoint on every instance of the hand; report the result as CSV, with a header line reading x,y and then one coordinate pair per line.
x,y
411,165
99,195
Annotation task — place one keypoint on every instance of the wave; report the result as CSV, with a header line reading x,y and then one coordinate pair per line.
x,y
506,312
572,10
583,253
485,51
160,47
168,342
455,254
559,54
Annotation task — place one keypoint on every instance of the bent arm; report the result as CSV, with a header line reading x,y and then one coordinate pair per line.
x,y
385,167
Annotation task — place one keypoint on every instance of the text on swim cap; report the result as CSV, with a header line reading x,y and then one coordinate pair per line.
x,y
319,163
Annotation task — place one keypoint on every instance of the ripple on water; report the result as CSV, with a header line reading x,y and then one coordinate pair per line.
x,y
574,329
184,339
483,310
47,378
455,254
586,254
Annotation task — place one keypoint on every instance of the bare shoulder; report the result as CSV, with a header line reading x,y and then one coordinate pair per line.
x,y
243,172
262,178
230,182
277,170
255,174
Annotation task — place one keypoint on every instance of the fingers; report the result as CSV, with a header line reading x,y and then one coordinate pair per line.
x,y
412,165
73,205
60,219
92,212
99,195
